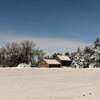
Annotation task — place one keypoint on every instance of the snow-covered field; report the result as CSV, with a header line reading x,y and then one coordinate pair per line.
x,y
49,84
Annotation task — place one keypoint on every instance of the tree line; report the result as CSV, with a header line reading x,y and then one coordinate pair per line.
x,y
15,53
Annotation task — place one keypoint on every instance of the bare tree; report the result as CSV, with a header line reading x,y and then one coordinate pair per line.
x,y
14,53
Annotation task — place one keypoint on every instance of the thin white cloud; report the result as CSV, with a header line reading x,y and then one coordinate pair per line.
x,y
59,45
49,45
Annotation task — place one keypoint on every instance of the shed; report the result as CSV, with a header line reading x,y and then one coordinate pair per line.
x,y
64,60
50,63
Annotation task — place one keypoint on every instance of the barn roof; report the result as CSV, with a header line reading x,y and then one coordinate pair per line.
x,y
63,57
51,61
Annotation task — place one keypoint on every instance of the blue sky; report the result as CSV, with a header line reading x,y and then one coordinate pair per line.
x,y
55,25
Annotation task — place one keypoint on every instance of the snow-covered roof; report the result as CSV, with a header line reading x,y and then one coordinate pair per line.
x,y
51,61
63,57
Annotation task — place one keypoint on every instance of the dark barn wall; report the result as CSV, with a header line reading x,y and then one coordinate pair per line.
x,y
66,63
54,65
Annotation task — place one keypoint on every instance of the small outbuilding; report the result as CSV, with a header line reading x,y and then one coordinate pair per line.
x,y
50,63
64,60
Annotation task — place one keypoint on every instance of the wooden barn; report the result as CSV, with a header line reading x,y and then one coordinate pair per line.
x,y
64,60
50,63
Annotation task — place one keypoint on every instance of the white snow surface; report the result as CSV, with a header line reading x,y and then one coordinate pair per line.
x,y
49,84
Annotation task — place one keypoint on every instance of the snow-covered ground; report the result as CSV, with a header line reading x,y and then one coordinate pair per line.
x,y
49,84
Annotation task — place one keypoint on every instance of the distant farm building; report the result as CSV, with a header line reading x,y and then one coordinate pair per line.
x,y
64,60
50,63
